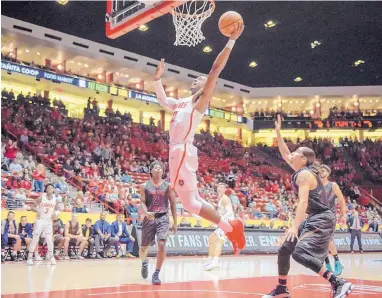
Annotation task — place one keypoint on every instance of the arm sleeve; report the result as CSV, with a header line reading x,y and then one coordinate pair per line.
x,y
166,102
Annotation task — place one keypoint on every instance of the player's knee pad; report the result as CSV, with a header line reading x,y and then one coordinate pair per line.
x,y
283,260
189,201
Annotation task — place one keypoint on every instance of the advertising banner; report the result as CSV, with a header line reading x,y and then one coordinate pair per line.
x,y
38,73
194,241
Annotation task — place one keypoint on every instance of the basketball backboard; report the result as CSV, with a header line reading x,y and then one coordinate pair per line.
x,y
125,16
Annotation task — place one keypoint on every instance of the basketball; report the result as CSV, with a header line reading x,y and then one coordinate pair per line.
x,y
227,22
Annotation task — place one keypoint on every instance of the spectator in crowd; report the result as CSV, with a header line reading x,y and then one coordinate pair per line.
x,y
121,235
29,163
39,178
102,233
79,207
9,236
355,225
87,233
131,210
73,237
58,235
374,226
25,231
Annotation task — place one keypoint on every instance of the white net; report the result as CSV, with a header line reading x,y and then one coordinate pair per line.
x,y
188,20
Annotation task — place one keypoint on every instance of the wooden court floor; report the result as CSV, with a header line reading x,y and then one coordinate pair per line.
x,y
243,276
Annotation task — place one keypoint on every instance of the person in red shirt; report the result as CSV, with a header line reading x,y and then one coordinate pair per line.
x,y
10,150
39,177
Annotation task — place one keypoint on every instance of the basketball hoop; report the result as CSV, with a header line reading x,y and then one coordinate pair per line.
x,y
188,19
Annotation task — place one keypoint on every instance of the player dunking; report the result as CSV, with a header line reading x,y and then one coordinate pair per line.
x,y
45,206
183,155
333,191
156,194
307,242
216,239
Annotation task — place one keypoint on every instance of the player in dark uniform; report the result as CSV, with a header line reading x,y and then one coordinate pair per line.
x,y
333,193
307,242
156,196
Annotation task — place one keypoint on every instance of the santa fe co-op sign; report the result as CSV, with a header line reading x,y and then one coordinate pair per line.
x,y
38,73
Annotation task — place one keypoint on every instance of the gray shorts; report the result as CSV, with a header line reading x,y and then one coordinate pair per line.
x,y
158,227
315,234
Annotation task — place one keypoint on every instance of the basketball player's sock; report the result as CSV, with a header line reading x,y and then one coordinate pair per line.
x,y
336,258
329,277
327,261
157,271
215,260
282,281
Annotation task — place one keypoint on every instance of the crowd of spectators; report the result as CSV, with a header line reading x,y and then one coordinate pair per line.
x,y
102,155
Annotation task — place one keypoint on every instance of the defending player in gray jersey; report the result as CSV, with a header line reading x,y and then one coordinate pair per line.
x,y
307,241
333,193
156,196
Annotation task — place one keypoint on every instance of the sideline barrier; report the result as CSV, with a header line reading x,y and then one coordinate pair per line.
x,y
194,241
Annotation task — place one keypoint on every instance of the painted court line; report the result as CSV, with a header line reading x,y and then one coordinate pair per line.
x,y
172,291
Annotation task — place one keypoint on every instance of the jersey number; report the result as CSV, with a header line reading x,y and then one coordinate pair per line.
x,y
47,210
155,201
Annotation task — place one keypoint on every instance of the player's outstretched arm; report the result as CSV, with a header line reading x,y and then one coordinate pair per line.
x,y
219,64
163,100
284,150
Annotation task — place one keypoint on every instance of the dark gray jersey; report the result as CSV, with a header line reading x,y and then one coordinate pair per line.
x,y
318,201
331,196
157,198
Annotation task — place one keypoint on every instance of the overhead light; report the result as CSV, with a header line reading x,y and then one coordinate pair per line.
x,y
207,49
126,75
72,62
99,76
79,63
358,62
171,93
298,79
311,112
62,2
38,53
59,67
259,102
117,73
318,104
86,65
233,109
269,24
315,44
223,100
27,50
143,27
371,100
279,104
302,101
137,85
253,64
356,103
